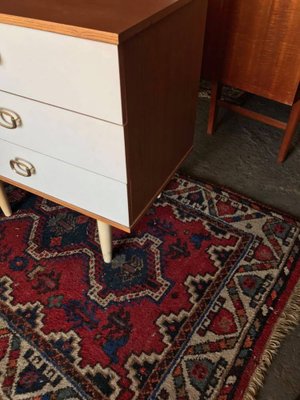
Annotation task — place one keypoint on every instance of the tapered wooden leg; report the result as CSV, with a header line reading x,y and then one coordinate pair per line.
x,y
4,204
105,237
216,89
290,131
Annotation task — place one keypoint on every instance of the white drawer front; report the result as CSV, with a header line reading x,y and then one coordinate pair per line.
x,y
95,193
74,138
73,73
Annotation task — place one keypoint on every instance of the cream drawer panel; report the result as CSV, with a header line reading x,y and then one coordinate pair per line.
x,y
95,193
73,73
77,139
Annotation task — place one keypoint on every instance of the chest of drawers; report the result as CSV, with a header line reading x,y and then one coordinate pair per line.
x,y
97,101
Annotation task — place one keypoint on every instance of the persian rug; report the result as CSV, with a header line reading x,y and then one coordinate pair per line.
x,y
192,306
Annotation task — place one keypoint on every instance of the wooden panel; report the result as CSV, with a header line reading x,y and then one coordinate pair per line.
x,y
106,20
254,45
74,138
83,189
161,70
76,74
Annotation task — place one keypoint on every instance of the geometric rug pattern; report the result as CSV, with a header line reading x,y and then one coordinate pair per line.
x,y
184,310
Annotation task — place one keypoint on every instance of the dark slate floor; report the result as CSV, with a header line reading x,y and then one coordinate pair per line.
x,y
242,155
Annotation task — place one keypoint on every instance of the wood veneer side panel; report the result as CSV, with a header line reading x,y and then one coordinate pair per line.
x,y
144,24
255,46
161,188
271,58
161,73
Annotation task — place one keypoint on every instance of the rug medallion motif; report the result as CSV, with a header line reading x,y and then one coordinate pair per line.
x,y
182,312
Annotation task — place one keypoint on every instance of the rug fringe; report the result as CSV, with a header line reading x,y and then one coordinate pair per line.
x,y
286,323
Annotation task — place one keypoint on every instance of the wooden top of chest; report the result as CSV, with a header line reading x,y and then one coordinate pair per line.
x,y
111,21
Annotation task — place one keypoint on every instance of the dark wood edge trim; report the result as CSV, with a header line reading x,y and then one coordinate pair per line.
x,y
65,204
161,188
54,27
297,95
252,114
125,126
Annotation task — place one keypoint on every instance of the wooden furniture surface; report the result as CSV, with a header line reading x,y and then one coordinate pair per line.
x,y
97,125
254,46
111,21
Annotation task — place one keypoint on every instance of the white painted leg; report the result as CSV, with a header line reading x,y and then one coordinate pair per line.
x,y
105,240
4,204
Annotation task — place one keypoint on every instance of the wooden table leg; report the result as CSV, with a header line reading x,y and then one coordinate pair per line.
x,y
105,238
290,131
216,89
4,204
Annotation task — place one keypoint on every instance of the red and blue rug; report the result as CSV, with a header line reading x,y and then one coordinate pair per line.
x,y
186,310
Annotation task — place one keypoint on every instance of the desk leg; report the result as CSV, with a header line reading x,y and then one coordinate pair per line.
x,y
4,204
105,238
290,131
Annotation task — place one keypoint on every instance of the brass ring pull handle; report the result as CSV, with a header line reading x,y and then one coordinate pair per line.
x,y
22,167
9,119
